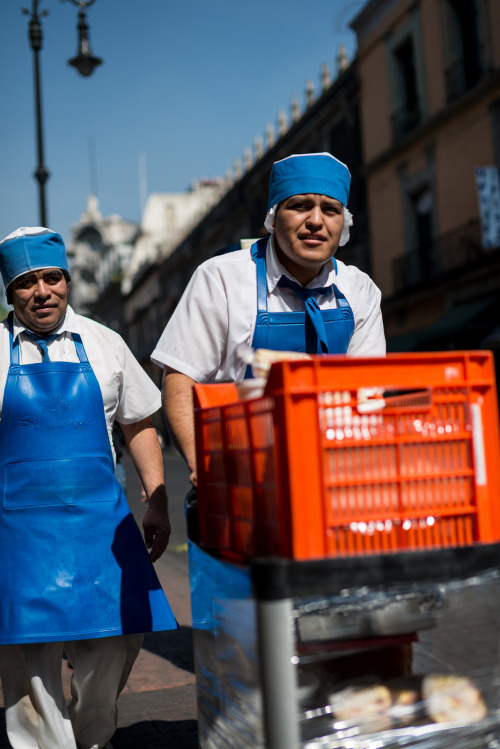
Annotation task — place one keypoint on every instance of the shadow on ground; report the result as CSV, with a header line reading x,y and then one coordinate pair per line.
x,y
158,734
175,646
4,742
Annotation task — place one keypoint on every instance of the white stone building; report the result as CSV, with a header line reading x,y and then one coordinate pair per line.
x,y
108,251
98,251
166,220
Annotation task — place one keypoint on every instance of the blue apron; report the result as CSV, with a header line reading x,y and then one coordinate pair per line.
x,y
74,564
287,331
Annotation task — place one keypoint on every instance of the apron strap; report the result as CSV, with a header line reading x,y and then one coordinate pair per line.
x,y
258,252
14,347
80,350
344,306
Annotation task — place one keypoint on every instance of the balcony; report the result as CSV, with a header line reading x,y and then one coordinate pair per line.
x,y
460,76
433,261
404,120
355,254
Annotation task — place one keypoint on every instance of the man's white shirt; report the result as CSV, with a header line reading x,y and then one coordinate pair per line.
x,y
218,310
128,393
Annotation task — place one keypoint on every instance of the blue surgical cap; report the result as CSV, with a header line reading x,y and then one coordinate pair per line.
x,y
319,173
28,249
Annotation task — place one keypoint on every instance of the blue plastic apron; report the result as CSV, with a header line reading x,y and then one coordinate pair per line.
x,y
74,564
287,331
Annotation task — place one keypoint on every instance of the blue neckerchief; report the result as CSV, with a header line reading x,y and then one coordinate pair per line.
x,y
313,311
41,341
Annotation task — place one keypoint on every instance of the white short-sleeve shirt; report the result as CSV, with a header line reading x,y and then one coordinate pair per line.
x,y
218,310
129,394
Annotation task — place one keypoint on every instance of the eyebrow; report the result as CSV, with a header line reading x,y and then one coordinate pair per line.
x,y
306,196
32,277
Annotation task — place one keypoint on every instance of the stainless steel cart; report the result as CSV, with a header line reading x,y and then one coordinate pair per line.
x,y
275,638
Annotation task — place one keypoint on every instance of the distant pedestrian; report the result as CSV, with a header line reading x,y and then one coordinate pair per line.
x,y
75,573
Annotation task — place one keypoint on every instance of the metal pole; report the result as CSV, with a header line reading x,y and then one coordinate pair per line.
x,y
85,64
41,174
278,673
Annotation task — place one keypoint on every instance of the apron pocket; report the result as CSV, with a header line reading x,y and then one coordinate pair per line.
x,y
56,483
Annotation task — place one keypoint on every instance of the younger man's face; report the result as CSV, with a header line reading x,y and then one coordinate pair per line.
x,y
307,233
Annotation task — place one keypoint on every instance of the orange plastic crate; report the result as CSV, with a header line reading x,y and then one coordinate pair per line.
x,y
310,470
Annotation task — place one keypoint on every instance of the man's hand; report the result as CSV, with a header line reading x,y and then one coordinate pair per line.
x,y
156,526
142,442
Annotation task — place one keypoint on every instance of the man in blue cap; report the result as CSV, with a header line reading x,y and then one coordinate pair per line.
x,y
75,573
287,293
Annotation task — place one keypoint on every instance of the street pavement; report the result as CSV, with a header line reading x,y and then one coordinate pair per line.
x,y
157,708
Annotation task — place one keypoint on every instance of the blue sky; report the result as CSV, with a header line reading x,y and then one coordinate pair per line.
x,y
189,84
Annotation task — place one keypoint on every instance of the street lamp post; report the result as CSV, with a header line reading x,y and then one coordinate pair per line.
x,y
41,174
84,62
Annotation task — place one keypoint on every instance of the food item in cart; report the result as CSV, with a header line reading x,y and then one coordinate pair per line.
x,y
261,359
264,357
405,694
249,389
449,698
364,706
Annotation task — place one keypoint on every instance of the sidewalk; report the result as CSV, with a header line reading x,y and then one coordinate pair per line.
x,y
158,705
157,708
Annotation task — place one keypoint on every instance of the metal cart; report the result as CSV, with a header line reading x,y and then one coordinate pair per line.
x,y
308,582
273,638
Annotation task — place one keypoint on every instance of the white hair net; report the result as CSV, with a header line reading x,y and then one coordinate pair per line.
x,y
344,237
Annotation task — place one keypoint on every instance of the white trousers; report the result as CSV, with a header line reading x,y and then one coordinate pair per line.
x,y
36,713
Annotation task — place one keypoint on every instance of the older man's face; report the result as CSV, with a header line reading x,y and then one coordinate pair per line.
x,y
40,299
307,233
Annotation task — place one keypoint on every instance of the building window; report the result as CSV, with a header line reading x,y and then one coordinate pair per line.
x,y
408,113
406,77
422,228
420,260
463,54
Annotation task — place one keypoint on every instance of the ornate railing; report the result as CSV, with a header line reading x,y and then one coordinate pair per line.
x,y
460,76
449,252
403,120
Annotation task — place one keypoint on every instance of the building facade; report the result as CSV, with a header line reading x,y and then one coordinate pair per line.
x,y
416,117
166,219
430,110
108,255
100,247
